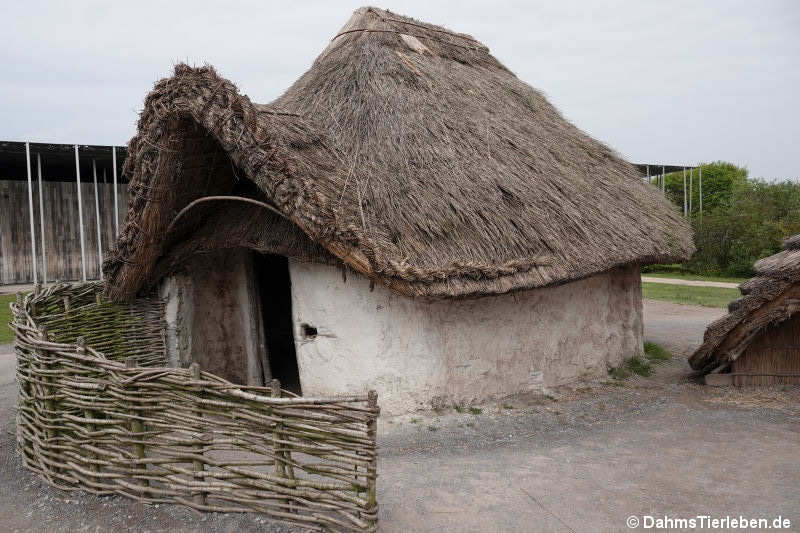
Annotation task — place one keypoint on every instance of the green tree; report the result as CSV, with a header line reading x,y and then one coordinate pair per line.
x,y
743,219
720,179
750,225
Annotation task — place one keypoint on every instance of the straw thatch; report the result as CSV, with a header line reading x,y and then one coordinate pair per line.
x,y
408,152
770,298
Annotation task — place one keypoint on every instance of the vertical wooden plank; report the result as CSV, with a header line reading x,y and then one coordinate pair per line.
x,y
18,245
6,252
89,235
116,199
97,221
41,217
56,223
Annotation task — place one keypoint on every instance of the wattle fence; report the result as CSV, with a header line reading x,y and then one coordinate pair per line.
x,y
99,411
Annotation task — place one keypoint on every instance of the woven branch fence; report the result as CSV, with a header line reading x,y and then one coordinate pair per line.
x,y
100,411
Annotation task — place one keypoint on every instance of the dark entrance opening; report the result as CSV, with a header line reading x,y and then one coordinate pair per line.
x,y
276,311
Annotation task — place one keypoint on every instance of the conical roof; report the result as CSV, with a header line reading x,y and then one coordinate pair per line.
x,y
406,151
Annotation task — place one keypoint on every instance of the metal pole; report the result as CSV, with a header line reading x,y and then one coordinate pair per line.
x,y
663,179
80,213
30,206
116,206
97,215
648,174
41,216
691,187
700,179
684,192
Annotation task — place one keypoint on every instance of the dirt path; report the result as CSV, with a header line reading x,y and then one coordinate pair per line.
x,y
13,289
692,282
679,329
582,459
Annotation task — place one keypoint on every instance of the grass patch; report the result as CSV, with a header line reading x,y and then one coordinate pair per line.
x,y
655,353
432,428
507,406
619,372
631,365
639,366
694,277
6,335
475,410
688,295
458,408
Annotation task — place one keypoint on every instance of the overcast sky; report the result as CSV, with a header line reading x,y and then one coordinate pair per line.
x,y
676,82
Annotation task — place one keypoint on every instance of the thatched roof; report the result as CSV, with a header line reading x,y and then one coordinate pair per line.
x,y
407,152
767,299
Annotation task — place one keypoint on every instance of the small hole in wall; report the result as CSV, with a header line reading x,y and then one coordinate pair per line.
x,y
309,332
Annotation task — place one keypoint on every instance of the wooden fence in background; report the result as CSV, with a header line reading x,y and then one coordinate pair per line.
x,y
62,245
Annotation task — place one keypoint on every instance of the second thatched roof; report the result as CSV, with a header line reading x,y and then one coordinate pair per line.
x,y
407,152
769,298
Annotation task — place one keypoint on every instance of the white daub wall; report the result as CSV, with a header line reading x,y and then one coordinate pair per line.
x,y
417,354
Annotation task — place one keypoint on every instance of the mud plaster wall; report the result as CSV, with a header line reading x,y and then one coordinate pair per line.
x,y
213,317
417,353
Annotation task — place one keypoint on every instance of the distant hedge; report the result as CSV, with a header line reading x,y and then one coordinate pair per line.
x,y
743,219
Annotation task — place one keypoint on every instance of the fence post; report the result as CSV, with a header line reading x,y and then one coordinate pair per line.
x,y
283,458
24,377
199,497
49,391
280,468
372,469
36,290
20,299
80,348
137,427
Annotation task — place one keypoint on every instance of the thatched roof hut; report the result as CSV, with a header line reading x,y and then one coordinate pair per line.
x,y
406,153
758,341
409,153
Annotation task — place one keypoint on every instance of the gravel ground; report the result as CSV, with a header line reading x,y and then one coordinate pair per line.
x,y
579,459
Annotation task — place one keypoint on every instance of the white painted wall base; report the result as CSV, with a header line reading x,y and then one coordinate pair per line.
x,y
417,354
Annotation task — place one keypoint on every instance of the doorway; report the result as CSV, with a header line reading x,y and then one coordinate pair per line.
x,y
275,288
